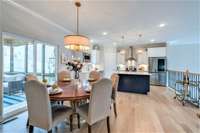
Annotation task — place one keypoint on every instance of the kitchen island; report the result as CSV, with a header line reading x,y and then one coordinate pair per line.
x,y
135,82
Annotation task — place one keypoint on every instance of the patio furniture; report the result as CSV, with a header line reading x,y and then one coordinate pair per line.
x,y
13,83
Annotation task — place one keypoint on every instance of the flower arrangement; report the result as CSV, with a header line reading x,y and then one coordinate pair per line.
x,y
75,66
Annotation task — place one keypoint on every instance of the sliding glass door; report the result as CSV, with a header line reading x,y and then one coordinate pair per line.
x,y
20,57
39,68
50,63
46,62
14,57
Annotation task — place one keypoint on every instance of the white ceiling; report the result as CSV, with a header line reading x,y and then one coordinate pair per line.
x,y
52,19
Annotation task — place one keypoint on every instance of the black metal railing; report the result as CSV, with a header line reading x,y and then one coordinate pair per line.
x,y
194,88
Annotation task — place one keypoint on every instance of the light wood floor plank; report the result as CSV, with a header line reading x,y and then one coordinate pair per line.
x,y
156,112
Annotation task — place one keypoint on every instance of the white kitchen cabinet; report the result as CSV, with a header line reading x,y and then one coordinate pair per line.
x,y
121,58
95,57
142,58
157,52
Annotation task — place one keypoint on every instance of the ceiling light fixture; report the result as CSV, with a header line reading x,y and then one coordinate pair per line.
x,y
140,51
77,42
105,33
162,25
114,43
152,40
92,41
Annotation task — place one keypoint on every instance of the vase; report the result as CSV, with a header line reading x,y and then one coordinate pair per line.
x,y
76,74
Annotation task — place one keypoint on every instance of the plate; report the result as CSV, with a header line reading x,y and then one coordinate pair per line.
x,y
52,91
91,80
66,80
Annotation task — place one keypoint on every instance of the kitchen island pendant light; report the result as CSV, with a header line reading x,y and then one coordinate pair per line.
x,y
77,42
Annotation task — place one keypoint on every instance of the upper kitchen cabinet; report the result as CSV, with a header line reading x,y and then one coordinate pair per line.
x,y
95,55
142,57
121,57
157,52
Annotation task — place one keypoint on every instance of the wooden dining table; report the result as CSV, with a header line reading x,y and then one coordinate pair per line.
x,y
71,92
74,92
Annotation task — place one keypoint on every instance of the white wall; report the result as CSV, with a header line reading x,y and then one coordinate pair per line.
x,y
110,54
22,21
157,52
184,56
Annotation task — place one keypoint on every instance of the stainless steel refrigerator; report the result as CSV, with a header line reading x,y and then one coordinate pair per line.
x,y
158,70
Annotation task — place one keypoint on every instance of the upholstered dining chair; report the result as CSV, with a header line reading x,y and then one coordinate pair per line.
x,y
115,81
95,75
99,106
31,77
41,113
63,74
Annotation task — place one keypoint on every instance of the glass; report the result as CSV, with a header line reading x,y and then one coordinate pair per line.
x,y
30,59
14,73
19,58
50,63
39,58
6,56
50,59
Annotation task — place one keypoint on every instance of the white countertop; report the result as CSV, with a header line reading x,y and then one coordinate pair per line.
x,y
132,73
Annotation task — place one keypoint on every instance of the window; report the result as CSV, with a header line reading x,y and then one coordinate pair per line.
x,y
6,57
30,59
50,63
39,57
22,56
19,58
50,58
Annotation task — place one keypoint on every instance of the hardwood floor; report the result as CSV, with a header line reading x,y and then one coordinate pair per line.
x,y
156,112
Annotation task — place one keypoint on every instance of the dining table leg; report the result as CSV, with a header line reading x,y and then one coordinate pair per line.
x,y
74,113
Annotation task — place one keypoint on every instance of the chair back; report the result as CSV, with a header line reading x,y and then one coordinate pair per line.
x,y
38,102
100,101
63,74
95,75
31,77
115,82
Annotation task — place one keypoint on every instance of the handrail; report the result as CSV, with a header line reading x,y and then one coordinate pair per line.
x,y
183,71
194,84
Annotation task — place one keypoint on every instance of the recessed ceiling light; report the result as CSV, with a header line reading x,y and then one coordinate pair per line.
x,y
162,25
140,51
92,41
152,40
122,52
105,33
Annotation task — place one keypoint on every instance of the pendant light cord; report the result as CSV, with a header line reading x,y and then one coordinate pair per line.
x,y
78,4
77,30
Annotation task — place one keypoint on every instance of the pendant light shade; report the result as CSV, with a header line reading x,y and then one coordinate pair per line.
x,y
77,42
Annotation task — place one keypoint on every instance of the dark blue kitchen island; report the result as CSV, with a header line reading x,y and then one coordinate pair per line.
x,y
135,82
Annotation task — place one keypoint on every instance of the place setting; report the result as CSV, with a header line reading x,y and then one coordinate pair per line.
x,y
54,89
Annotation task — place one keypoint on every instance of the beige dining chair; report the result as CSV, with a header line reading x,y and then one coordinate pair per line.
x,y
99,106
41,113
31,77
115,82
63,74
95,75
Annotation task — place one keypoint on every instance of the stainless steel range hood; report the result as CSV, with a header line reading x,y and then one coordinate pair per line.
x,y
131,57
